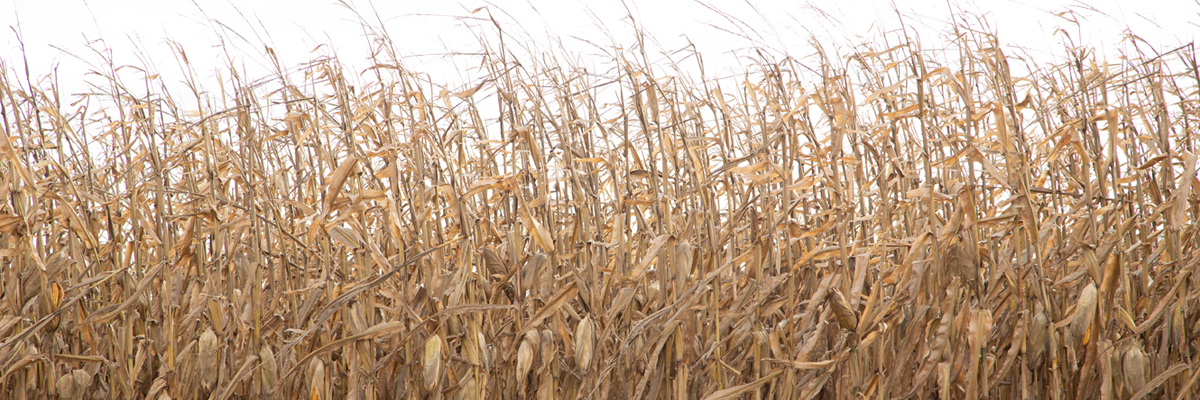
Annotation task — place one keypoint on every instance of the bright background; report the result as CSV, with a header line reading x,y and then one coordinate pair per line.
x,y
73,36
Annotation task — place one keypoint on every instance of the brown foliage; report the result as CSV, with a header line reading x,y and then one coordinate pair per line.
x,y
887,227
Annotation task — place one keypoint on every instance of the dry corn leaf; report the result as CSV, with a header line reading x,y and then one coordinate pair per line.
x,y
648,258
804,365
334,188
1159,380
739,390
565,294
492,261
243,373
541,236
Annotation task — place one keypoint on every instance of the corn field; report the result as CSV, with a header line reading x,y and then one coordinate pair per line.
x,y
891,222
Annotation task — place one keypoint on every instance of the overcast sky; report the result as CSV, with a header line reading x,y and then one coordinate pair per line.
x,y
426,30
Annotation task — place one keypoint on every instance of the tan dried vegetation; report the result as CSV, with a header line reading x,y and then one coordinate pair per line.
x,y
878,225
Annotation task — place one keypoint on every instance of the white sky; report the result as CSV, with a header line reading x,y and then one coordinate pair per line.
x,y
427,29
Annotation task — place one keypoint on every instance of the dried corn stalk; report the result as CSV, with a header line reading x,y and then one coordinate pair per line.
x,y
314,227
